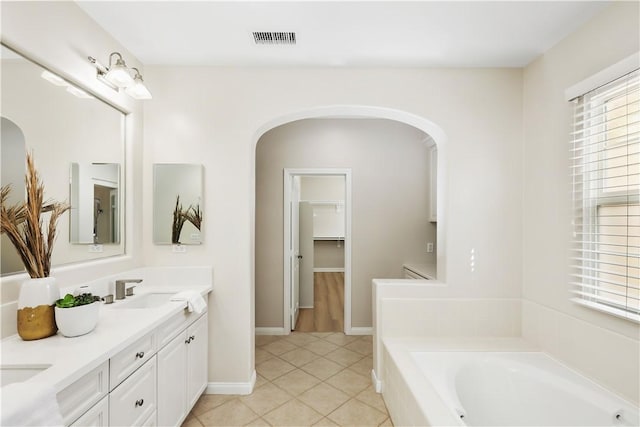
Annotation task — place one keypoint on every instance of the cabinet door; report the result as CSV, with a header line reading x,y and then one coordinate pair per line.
x,y
197,348
134,401
97,416
172,382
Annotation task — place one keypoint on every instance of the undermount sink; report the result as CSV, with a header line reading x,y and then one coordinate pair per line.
x,y
151,300
10,374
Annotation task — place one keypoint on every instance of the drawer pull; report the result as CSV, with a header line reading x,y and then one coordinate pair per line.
x,y
140,355
192,338
139,402
187,341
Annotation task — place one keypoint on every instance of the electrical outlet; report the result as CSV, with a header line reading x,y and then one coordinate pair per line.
x,y
430,247
178,249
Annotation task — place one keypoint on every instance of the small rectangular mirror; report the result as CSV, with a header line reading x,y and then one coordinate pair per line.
x,y
177,204
95,203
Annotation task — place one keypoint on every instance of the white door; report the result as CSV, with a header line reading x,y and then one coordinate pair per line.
x,y
294,251
306,254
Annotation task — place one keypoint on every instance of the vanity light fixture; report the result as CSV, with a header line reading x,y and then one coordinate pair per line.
x,y
118,76
138,90
52,78
78,92
59,81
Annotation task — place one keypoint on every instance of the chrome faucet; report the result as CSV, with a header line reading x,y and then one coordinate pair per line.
x,y
120,286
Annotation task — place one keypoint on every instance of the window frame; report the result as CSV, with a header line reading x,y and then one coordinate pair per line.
x,y
587,208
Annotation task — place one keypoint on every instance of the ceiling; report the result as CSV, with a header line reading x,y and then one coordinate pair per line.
x,y
341,33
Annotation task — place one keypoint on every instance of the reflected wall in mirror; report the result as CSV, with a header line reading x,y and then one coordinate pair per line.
x,y
12,154
177,204
59,123
95,203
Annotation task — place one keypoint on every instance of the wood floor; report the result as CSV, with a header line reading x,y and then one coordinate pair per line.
x,y
327,314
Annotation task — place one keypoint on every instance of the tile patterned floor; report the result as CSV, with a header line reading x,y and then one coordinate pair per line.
x,y
303,379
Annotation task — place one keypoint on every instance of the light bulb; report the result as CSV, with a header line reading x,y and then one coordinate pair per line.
x,y
119,74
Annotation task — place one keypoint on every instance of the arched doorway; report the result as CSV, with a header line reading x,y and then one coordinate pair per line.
x,y
363,112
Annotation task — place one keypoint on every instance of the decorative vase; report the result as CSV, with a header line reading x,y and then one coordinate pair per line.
x,y
76,321
36,317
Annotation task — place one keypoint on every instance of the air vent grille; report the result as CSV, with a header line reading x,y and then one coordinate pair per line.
x,y
274,37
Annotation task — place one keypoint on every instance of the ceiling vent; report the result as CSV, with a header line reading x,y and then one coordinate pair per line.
x,y
274,37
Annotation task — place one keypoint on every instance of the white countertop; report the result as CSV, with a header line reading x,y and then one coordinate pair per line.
x,y
427,270
71,358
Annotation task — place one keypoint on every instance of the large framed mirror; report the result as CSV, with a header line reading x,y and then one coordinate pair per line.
x,y
177,204
62,125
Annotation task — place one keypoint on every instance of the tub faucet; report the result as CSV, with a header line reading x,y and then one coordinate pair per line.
x,y
120,286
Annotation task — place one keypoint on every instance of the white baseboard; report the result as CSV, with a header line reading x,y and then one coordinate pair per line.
x,y
232,388
328,270
367,330
271,331
377,384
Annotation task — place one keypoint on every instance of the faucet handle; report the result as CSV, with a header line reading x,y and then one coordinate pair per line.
x,y
128,281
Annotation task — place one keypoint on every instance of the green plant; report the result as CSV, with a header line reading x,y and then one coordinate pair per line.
x,y
74,301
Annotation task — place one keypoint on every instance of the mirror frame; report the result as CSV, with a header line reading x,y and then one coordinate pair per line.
x,y
93,253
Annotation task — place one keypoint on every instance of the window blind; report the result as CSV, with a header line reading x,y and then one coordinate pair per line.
x,y
605,172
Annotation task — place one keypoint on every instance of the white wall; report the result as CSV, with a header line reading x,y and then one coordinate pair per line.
x,y
215,116
600,345
61,36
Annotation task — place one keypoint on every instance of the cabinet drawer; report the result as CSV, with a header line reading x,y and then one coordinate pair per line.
x,y
172,327
81,395
97,416
130,359
133,402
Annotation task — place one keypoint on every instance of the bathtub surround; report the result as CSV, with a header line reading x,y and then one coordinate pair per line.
x,y
412,315
419,308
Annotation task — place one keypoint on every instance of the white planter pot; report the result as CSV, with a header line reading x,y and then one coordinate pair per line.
x,y
76,321
35,292
35,308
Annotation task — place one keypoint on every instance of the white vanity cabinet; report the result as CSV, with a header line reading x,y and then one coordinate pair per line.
x,y
154,381
182,368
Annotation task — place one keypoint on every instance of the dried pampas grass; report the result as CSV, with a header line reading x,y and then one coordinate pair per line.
x,y
179,219
23,225
194,216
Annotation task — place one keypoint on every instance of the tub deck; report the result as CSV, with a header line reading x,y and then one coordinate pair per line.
x,y
424,378
406,390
